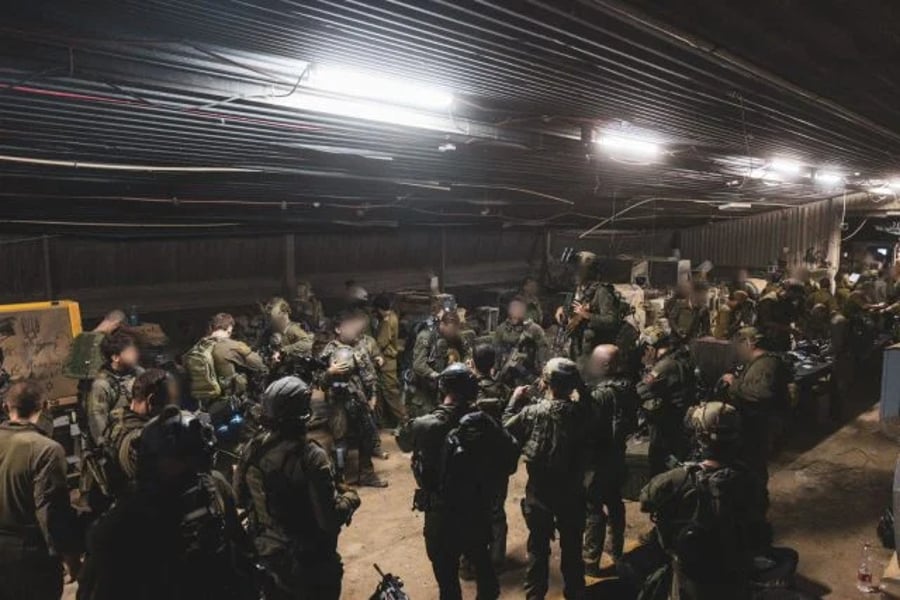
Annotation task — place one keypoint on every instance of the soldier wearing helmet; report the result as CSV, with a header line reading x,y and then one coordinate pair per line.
x,y
295,508
710,516
665,391
760,392
350,383
435,348
181,519
553,435
777,312
462,458
597,311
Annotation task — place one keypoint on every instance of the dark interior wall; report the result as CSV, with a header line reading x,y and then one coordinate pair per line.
x,y
183,272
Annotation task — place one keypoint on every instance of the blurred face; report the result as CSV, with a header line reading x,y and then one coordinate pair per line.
x,y
280,321
348,331
744,350
303,291
128,359
530,287
449,330
516,311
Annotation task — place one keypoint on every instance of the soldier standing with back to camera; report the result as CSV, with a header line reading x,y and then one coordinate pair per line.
x,y
614,403
294,342
461,457
553,434
296,509
596,310
665,392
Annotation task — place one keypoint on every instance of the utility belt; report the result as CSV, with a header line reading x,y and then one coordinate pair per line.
x,y
426,501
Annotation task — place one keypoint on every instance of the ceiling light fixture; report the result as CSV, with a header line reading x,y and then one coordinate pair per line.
x,y
621,144
829,178
786,166
377,87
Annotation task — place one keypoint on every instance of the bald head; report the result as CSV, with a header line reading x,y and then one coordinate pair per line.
x,y
604,360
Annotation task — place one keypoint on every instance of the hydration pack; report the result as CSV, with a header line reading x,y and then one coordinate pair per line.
x,y
198,361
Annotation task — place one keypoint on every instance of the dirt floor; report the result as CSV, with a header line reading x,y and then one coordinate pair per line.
x,y
828,488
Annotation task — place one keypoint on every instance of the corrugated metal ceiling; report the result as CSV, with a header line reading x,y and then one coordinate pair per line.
x,y
190,83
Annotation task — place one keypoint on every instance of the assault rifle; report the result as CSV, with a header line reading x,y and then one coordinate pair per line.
x,y
390,587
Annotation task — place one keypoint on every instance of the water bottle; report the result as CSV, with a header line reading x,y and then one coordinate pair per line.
x,y
864,572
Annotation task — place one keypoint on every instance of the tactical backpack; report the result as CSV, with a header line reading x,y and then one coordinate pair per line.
x,y
550,446
85,359
198,361
706,546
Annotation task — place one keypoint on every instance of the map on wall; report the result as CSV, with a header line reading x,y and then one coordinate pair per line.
x,y
35,339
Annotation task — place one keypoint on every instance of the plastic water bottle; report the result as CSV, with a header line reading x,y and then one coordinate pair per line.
x,y
864,572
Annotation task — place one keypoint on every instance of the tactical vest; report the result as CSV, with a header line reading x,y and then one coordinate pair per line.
x,y
551,445
124,428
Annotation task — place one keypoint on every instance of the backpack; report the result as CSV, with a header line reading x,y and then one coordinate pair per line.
x,y
198,362
550,446
85,359
706,546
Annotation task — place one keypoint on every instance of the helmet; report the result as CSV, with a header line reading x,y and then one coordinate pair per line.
x,y
716,422
277,306
654,336
585,258
458,380
343,354
748,334
560,372
179,435
286,399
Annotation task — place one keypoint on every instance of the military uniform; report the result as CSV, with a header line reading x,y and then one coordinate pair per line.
x,y
108,391
760,392
120,449
615,408
821,296
605,321
522,350
387,338
533,310
37,522
774,319
348,401
232,360
553,434
687,320
458,498
296,514
730,320
742,532
665,392
431,355
296,342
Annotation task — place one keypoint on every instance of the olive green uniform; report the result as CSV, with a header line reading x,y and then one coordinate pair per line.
x,y
296,342
37,522
604,323
687,320
122,438
760,392
821,296
387,337
109,390
431,355
774,321
744,533
232,360
522,349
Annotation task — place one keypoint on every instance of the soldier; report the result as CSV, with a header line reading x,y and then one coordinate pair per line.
x,y
387,336
294,342
484,361
350,386
308,307
777,312
153,390
710,516
615,406
435,348
233,361
822,295
181,520
461,457
597,310
296,509
733,315
687,311
530,294
112,386
553,435
760,392
665,393
38,533
85,359
522,347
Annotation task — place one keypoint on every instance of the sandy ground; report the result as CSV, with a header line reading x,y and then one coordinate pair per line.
x,y
828,488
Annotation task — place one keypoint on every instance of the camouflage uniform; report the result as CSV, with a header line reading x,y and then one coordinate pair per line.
x,y
553,434
615,405
665,392
686,320
431,355
522,350
348,397
109,390
533,309
605,322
